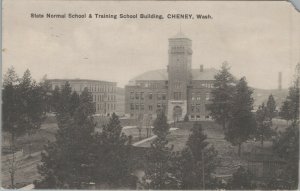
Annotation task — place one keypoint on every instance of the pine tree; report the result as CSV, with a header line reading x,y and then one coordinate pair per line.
x,y
161,169
199,161
222,95
69,161
112,155
264,123
271,107
290,108
242,122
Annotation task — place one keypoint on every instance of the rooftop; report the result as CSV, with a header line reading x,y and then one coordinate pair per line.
x,y
162,74
78,80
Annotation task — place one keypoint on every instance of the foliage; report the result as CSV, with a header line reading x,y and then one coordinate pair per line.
x,y
160,125
186,118
271,107
68,162
112,155
222,95
241,180
286,145
290,108
198,161
23,104
264,123
242,122
161,167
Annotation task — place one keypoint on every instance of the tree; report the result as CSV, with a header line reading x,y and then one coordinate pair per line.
x,y
264,123
10,108
186,118
241,180
160,170
271,107
199,161
68,162
290,108
23,108
286,145
112,155
242,122
222,96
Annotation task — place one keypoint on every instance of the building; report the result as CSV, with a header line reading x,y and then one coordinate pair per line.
x,y
103,92
179,90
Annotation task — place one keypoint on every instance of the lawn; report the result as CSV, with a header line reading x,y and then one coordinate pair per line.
x,y
227,154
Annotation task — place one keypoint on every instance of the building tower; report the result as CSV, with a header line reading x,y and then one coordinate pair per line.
x,y
279,80
179,75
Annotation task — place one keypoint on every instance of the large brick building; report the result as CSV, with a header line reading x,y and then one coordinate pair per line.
x,y
103,92
179,90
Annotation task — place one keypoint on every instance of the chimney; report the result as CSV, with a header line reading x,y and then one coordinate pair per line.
x,y
279,80
201,68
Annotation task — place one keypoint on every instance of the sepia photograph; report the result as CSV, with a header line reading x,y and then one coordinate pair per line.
x,y
150,95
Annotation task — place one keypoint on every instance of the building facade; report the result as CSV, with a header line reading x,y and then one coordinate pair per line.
x,y
104,93
179,90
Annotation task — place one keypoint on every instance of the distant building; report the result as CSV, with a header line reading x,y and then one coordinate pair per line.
x,y
179,90
104,93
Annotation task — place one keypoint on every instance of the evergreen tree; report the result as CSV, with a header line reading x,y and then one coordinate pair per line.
x,y
11,101
286,145
23,104
199,160
264,123
161,169
242,122
285,111
222,96
241,180
69,161
290,108
271,107
112,155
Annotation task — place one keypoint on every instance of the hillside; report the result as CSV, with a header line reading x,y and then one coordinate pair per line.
x,y
261,95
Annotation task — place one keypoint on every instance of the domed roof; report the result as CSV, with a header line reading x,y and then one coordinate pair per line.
x,y
162,74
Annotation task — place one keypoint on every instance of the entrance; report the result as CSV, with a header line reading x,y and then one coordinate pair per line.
x,y
177,113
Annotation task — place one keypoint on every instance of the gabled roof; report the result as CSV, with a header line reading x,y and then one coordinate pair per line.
x,y
162,74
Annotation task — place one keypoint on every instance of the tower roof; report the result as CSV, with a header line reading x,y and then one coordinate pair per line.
x,y
180,35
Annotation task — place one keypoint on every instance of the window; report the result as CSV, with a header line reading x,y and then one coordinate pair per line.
x,y
137,106
142,95
177,95
158,106
207,96
197,107
150,108
142,106
137,95
193,96
164,96
131,95
158,96
193,108
150,95
198,97
132,106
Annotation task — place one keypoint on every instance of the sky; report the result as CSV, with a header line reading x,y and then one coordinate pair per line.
x,y
257,39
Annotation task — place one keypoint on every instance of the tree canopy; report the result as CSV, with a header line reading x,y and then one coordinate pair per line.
x,y
222,94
